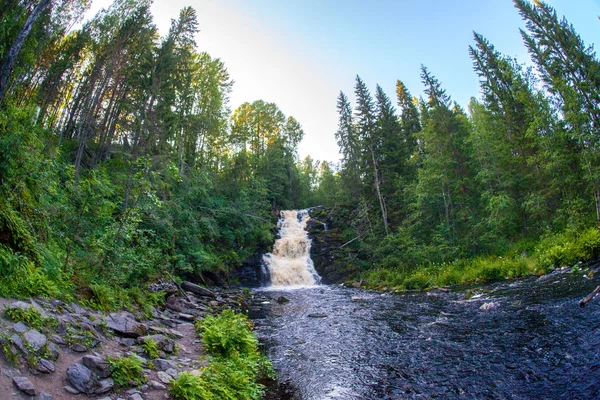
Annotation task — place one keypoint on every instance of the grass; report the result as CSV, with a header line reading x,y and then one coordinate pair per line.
x,y
552,251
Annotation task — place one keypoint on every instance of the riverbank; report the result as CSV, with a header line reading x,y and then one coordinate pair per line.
x,y
568,249
54,349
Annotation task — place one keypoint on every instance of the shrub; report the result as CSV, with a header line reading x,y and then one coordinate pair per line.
x,y
227,334
150,348
126,369
30,317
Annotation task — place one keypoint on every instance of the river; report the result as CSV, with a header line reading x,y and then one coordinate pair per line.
x,y
521,339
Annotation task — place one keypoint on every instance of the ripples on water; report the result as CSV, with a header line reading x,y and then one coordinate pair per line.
x,y
520,340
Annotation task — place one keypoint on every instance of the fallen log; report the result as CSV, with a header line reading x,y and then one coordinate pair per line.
x,y
199,290
589,297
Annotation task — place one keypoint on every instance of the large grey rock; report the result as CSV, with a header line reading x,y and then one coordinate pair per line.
x,y
81,378
125,326
157,385
173,373
98,365
24,385
35,340
135,396
44,396
162,364
54,352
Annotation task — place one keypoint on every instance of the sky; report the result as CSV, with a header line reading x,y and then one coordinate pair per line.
x,y
301,54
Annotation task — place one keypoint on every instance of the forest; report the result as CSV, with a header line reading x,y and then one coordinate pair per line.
x,y
439,195
121,159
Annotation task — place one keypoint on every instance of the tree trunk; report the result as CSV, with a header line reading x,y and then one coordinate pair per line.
x,y
9,60
381,200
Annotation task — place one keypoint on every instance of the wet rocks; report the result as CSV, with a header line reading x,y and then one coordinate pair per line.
x,y
24,385
282,300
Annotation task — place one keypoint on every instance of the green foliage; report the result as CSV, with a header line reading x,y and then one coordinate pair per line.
x,y
30,317
568,248
236,367
126,369
227,334
150,348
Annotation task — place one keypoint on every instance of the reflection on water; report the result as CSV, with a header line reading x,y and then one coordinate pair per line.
x,y
518,340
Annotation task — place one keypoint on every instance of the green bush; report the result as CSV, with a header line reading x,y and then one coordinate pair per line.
x,y
126,369
30,317
227,334
150,348
568,248
236,365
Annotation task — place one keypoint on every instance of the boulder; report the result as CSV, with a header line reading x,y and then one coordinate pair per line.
x,y
161,364
123,325
81,378
35,340
20,327
98,365
24,385
44,396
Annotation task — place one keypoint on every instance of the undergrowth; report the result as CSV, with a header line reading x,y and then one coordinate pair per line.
x,y
31,317
552,251
126,370
236,365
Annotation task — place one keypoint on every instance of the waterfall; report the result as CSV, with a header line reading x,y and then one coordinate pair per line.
x,y
290,264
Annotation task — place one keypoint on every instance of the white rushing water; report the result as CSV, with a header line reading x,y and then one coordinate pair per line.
x,y
290,264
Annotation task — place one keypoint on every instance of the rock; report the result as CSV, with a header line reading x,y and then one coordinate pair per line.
x,y
173,373
58,339
127,342
20,327
157,385
199,290
164,377
17,341
162,364
162,342
126,326
81,378
164,286
44,396
165,331
45,366
282,300
135,396
98,365
71,389
186,317
54,352
34,340
24,385
356,284
79,348
105,385
317,315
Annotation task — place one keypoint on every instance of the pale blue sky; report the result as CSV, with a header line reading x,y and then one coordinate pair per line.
x,y
300,54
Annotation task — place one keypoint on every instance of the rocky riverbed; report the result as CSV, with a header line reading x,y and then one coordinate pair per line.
x,y
65,352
